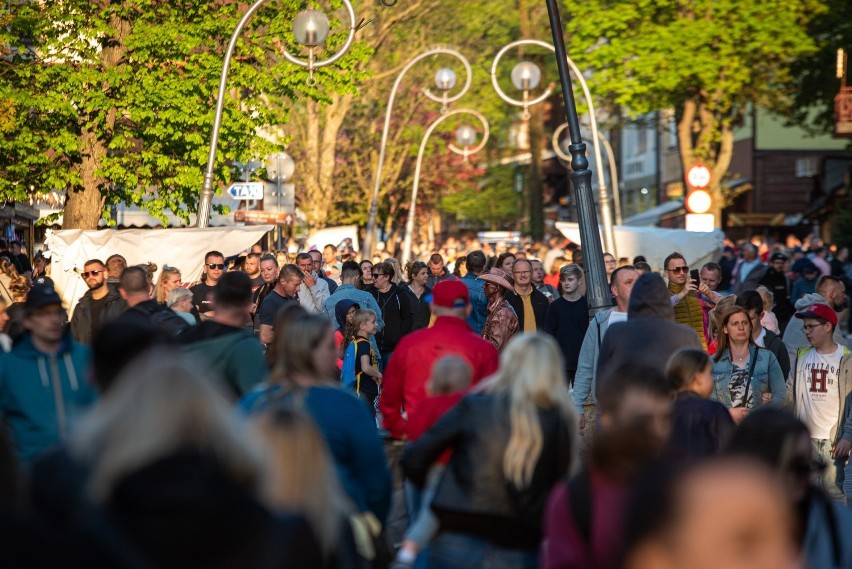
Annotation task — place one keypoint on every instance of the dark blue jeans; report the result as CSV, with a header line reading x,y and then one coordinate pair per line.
x,y
463,551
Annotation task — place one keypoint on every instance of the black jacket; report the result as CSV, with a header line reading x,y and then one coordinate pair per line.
x,y
779,285
158,316
422,313
81,322
473,496
774,344
539,305
650,336
398,315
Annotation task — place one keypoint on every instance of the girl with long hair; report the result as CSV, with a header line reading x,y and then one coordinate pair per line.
x,y
169,280
512,439
742,372
304,372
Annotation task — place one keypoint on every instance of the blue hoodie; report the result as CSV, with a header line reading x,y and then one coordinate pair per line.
x,y
41,395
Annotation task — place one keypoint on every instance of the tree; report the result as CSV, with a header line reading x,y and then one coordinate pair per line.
x,y
710,60
112,101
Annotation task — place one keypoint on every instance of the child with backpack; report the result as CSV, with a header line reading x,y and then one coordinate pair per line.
x,y
360,364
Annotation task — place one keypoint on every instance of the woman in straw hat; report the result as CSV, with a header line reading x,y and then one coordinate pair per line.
x,y
502,321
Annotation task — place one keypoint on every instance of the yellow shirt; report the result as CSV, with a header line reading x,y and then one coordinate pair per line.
x,y
529,315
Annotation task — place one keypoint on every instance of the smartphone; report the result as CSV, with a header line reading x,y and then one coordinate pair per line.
x,y
693,274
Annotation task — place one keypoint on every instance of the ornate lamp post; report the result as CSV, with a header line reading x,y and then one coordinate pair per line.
x,y
525,79
581,177
445,81
610,158
465,138
311,29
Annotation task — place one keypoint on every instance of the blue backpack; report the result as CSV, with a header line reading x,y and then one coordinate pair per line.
x,y
347,374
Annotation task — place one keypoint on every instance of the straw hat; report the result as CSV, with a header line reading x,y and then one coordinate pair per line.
x,y
498,277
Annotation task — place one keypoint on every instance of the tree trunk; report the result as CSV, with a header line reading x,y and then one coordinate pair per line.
x,y
697,129
84,205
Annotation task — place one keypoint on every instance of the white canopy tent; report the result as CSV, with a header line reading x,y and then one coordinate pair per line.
x,y
181,248
656,243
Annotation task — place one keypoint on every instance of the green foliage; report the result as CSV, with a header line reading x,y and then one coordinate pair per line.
x,y
645,55
841,227
140,78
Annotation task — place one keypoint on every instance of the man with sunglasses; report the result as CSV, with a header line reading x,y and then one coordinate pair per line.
x,y
203,292
99,305
687,308
822,387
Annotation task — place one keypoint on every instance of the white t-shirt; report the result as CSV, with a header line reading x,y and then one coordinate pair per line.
x,y
818,392
616,316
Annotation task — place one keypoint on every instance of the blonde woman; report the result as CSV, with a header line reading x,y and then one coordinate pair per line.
x,y
177,476
512,439
303,479
169,280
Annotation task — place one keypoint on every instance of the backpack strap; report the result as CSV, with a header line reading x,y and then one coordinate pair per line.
x,y
580,503
751,365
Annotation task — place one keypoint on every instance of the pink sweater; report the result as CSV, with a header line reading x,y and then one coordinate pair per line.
x,y
564,546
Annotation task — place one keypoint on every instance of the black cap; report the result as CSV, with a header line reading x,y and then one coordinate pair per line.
x,y
42,281
42,295
777,257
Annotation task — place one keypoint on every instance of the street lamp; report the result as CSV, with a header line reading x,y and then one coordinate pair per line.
x,y
610,158
311,30
466,138
597,291
445,81
520,70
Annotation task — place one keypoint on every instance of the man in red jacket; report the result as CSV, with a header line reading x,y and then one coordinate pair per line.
x,y
404,381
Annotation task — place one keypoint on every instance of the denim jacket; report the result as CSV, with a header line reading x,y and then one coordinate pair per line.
x,y
766,377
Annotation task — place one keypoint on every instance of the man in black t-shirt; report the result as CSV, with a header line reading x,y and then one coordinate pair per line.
x,y
202,293
251,267
285,291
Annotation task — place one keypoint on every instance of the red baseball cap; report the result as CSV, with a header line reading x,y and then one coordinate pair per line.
x,y
450,294
819,310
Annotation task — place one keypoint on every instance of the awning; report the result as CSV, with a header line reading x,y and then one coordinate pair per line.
x,y
651,217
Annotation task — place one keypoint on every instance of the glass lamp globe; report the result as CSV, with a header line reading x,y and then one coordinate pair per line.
x,y
445,79
310,27
526,76
465,136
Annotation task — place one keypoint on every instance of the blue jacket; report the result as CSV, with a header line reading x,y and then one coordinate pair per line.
x,y
587,363
478,302
42,395
350,432
766,377
363,298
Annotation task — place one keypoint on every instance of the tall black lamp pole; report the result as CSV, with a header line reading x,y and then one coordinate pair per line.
x,y
597,288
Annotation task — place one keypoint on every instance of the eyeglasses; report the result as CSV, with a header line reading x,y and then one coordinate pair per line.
x,y
809,327
87,274
683,270
220,266
609,261
377,275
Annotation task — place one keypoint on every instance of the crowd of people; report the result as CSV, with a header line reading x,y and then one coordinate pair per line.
x,y
316,410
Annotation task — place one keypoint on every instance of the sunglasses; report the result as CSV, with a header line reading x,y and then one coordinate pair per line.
x,y
87,274
220,266
377,275
683,270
